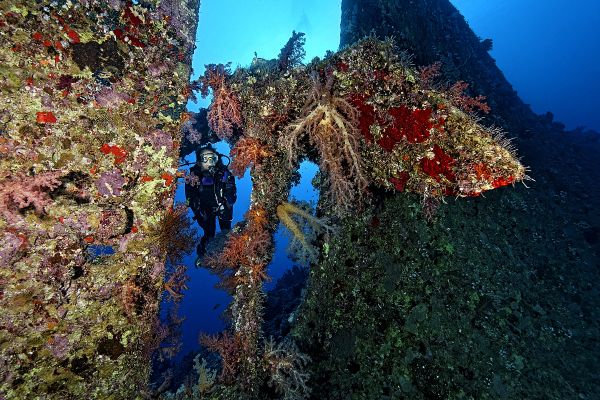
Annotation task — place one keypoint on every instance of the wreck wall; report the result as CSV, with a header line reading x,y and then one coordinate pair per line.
x,y
490,299
432,31
92,94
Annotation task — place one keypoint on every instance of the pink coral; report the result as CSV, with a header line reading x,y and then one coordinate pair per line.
x,y
224,113
159,138
23,191
59,346
110,183
190,131
192,179
10,243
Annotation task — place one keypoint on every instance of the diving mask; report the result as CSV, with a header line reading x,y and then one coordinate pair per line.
x,y
208,161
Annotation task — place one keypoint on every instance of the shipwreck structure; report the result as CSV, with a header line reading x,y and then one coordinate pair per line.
x,y
494,298
420,287
92,96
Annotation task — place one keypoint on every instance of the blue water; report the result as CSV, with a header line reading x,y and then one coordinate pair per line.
x,y
548,50
203,304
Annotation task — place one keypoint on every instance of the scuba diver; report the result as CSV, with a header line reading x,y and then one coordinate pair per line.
x,y
211,196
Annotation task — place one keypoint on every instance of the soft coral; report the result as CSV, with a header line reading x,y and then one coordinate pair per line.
x,y
22,191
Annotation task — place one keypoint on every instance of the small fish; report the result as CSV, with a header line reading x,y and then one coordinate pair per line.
x,y
216,306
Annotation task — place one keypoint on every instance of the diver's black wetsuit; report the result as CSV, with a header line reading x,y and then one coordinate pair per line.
x,y
211,197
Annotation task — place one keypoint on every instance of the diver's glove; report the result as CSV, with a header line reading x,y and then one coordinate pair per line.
x,y
220,209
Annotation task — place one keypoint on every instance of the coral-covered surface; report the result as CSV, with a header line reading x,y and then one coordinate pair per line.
x,y
373,123
491,301
92,94
494,299
367,117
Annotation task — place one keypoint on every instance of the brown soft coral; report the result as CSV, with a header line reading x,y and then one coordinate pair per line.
x,y
331,124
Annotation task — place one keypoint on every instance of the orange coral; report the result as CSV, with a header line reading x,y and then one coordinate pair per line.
x,y
45,117
240,250
213,78
254,275
258,272
465,102
248,152
174,234
176,283
257,217
246,247
228,346
132,297
241,265
233,253
482,171
225,110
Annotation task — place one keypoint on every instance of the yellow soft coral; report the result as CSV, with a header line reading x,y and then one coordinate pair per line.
x,y
285,213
